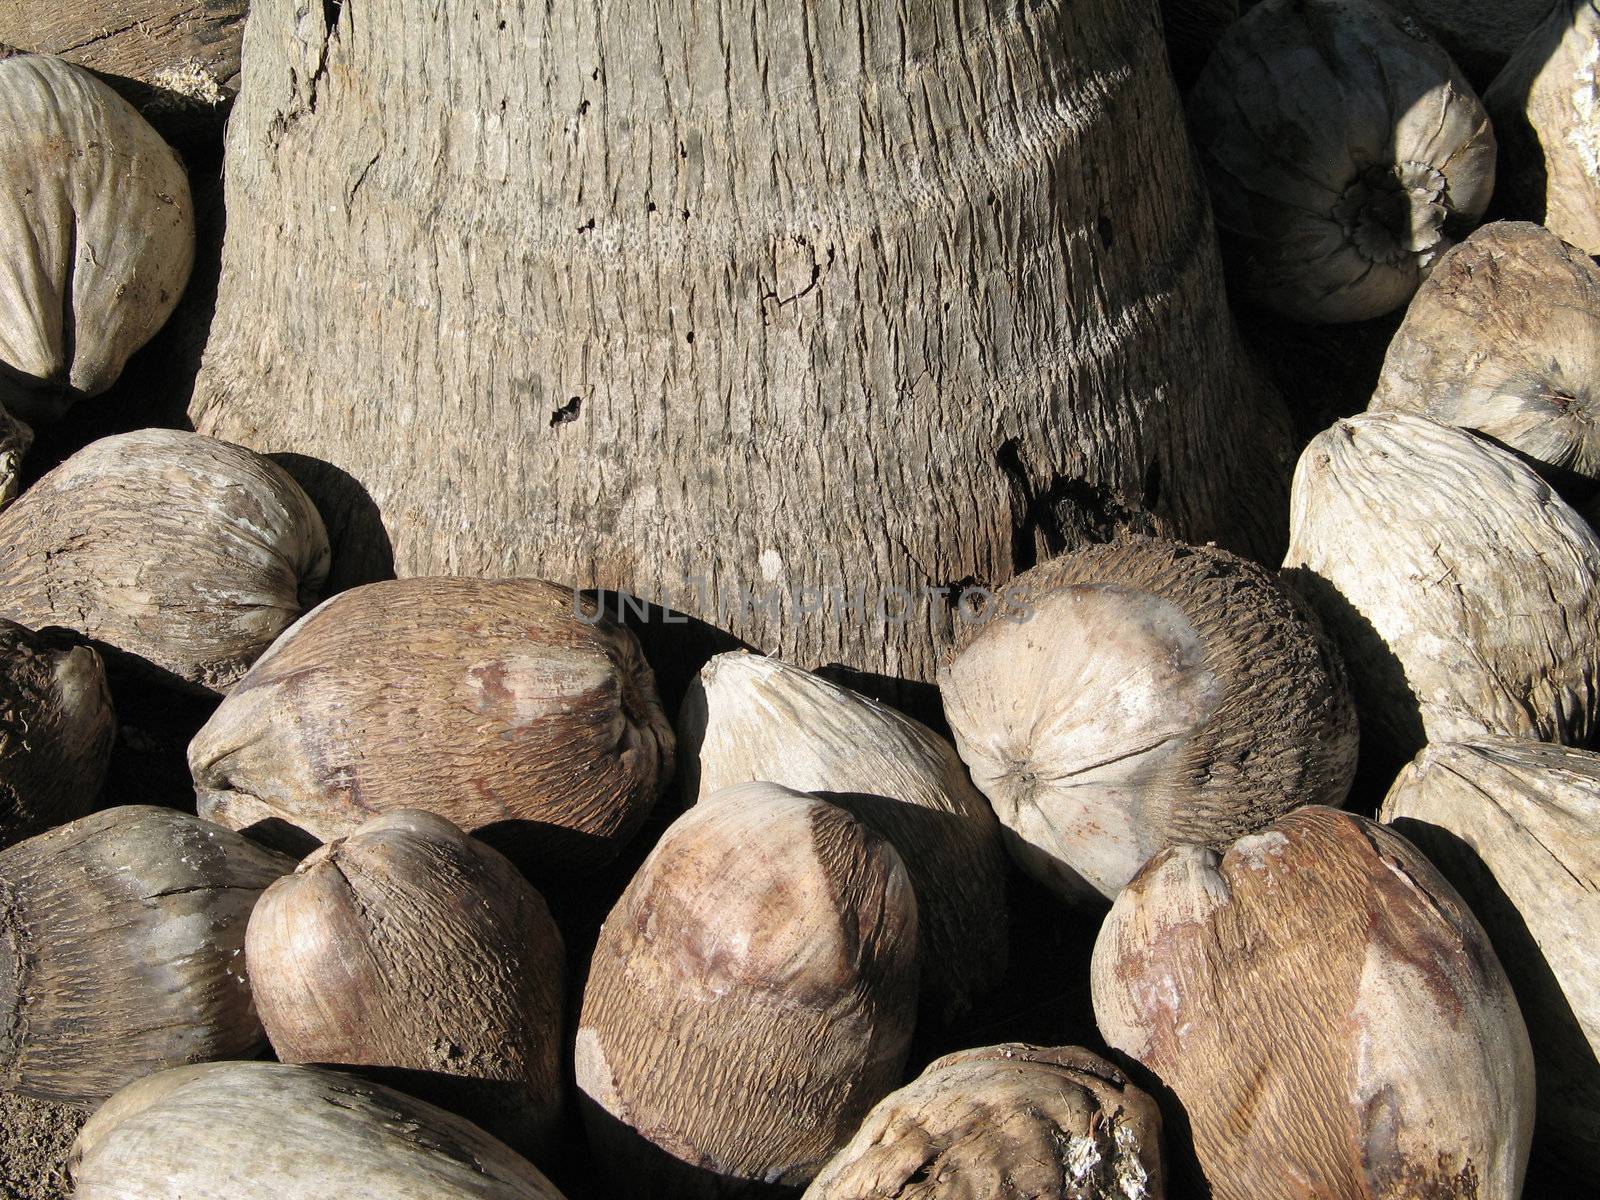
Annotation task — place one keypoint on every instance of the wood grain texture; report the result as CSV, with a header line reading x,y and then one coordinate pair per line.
x,y
1327,1014
410,945
97,230
1504,339
1008,1122
748,718
1546,108
271,1131
1345,153
179,556
1459,585
752,995
1515,826
57,726
1130,696
122,950
730,300
498,702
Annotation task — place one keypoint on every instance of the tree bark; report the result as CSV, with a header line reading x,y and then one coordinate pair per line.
x,y
701,301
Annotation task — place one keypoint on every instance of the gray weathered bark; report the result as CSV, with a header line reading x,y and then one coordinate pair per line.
x,y
812,296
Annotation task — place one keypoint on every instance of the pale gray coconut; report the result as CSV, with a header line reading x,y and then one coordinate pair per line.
x,y
1546,109
1345,153
749,718
1144,693
1462,588
1008,1122
1515,826
271,1131
96,234
1504,339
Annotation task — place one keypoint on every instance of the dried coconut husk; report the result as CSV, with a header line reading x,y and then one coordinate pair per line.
x,y
411,947
1008,1122
503,705
1515,827
122,951
752,995
749,718
1546,110
1460,586
57,727
179,556
271,1131
1143,693
1504,339
96,234
1327,1012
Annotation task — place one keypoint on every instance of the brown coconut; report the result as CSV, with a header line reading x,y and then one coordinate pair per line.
x,y
1327,1012
1504,339
56,730
1461,587
410,947
1142,693
1546,110
96,234
749,718
752,995
271,1131
1009,1122
1515,826
122,951
497,703
180,556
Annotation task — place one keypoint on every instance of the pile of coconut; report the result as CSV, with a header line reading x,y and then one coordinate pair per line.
x,y
1332,825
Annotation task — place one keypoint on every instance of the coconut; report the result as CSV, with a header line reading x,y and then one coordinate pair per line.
x,y
1010,1122
122,951
1345,153
492,702
1328,1013
98,233
1546,108
1504,340
15,439
270,1131
1515,826
56,730
411,946
749,718
180,556
1480,35
752,995
1461,588
1143,693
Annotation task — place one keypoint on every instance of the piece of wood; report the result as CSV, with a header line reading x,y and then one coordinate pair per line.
x,y
719,302
1328,1015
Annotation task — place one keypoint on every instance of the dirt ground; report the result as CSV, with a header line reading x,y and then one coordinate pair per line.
x,y
34,1140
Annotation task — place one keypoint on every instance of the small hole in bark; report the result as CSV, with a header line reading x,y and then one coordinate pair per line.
x,y
650,207
690,338
583,108
330,13
686,214
1107,233
567,412
587,226
500,25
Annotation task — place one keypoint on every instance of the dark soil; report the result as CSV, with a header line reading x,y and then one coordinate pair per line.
x,y
34,1140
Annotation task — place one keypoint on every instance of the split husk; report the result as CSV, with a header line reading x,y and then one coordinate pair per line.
x,y
57,726
270,1131
752,995
1345,153
97,227
1144,693
1009,1122
1515,827
179,556
1504,339
1546,109
749,718
496,703
1328,1013
1461,588
122,951
413,948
